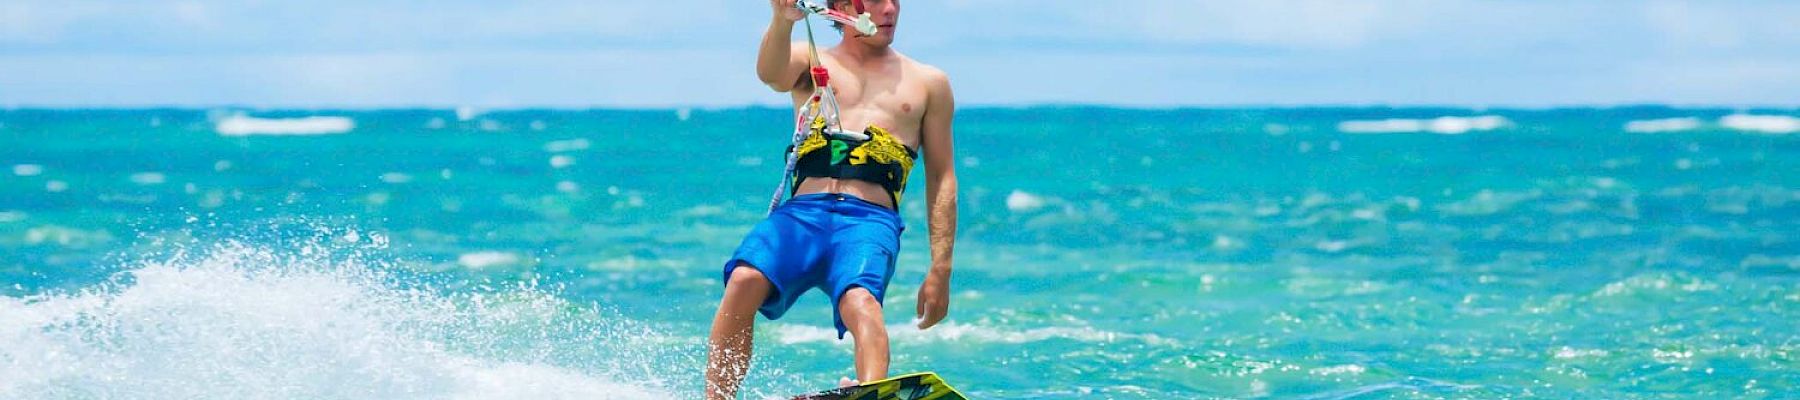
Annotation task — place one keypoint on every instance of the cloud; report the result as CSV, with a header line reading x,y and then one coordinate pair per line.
x,y
28,22
698,52
629,78
1726,82
1284,23
1682,25
260,26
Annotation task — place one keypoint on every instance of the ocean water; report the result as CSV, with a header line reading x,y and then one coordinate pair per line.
x,y
1322,253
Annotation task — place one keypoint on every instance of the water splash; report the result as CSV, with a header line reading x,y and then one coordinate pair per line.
x,y
240,321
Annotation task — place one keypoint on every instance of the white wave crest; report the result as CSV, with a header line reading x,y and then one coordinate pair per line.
x,y
28,170
466,113
250,324
963,333
487,259
239,125
1772,124
149,178
1439,125
1663,125
563,146
561,161
1021,201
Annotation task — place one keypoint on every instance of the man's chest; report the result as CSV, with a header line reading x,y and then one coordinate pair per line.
x,y
888,92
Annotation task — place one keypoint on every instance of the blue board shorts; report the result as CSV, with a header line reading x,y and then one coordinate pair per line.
x,y
833,242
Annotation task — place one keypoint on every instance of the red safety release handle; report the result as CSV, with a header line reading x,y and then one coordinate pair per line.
x,y
821,77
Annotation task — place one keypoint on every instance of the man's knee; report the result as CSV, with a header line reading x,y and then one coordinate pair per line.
x,y
858,300
745,274
746,280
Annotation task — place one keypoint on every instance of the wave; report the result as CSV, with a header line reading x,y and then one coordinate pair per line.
x,y
1409,385
1021,201
28,170
1772,124
963,333
149,178
1439,125
487,259
1663,125
564,146
560,161
467,113
243,322
239,125
66,237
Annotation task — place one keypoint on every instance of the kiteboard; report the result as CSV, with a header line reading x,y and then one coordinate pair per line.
x,y
915,386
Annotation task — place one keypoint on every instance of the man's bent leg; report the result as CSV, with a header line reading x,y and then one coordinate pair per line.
x,y
732,332
862,316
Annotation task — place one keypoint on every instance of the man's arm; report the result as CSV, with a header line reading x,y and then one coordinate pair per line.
x,y
940,191
781,64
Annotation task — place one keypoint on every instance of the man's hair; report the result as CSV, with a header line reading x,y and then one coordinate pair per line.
x,y
833,4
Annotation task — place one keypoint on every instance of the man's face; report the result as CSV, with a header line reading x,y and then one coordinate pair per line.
x,y
885,14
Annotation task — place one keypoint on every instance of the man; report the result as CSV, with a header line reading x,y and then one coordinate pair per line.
x,y
840,232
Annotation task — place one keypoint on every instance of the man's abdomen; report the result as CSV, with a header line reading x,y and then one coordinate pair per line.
x,y
861,189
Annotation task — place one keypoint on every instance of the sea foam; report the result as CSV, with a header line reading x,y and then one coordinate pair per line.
x,y
28,170
248,323
240,125
1021,201
1772,124
1662,125
1439,125
964,333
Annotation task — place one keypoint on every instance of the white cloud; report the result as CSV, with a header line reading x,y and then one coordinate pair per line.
x,y
193,13
698,52
632,78
211,25
1288,23
1684,25
1728,82
39,22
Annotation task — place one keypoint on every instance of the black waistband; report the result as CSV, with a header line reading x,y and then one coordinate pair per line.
x,y
824,156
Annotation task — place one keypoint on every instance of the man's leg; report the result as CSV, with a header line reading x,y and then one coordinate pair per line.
x,y
729,356
862,316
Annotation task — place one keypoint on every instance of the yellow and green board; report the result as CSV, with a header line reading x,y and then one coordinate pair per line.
x,y
916,386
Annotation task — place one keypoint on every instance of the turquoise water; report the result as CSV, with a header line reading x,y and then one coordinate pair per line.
x,y
1105,253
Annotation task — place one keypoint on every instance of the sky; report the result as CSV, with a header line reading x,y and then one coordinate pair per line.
x,y
701,53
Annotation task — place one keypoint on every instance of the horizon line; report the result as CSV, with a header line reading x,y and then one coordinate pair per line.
x,y
978,106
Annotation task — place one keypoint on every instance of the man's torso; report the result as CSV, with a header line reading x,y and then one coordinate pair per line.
x,y
890,93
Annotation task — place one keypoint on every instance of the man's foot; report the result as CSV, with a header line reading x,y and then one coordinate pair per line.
x,y
846,382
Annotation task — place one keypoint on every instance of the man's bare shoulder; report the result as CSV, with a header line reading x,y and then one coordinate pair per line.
x,y
929,74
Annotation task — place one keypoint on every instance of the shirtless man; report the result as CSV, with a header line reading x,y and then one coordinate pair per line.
x,y
840,231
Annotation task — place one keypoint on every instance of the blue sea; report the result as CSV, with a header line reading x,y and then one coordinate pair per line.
x,y
1316,253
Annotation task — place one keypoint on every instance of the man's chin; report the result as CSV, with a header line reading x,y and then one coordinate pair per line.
x,y
877,40
882,38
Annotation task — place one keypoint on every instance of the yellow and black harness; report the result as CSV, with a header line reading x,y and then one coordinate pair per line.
x,y
880,158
